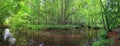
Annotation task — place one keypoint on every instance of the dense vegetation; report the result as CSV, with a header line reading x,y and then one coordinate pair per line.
x,y
37,15
27,13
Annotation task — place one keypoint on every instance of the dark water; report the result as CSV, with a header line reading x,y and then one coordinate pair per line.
x,y
83,37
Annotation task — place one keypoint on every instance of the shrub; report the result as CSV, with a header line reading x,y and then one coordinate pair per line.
x,y
103,34
103,42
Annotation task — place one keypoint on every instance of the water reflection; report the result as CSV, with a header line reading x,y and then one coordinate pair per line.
x,y
41,44
83,37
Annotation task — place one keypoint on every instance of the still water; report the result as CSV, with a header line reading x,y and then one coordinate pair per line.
x,y
79,37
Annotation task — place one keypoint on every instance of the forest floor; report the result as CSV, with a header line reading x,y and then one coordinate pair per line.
x,y
115,35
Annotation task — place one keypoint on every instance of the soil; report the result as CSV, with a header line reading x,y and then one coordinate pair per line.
x,y
115,35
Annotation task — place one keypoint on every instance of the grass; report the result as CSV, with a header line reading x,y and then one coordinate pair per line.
x,y
51,27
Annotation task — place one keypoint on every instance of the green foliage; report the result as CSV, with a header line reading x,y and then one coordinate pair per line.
x,y
111,14
17,21
7,8
51,12
103,42
60,12
51,27
103,34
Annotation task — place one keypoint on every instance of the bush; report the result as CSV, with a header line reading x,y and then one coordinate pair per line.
x,y
103,42
103,34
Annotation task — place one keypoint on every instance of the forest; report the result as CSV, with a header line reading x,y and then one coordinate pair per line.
x,y
59,23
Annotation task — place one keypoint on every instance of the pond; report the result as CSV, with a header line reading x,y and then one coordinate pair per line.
x,y
78,37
